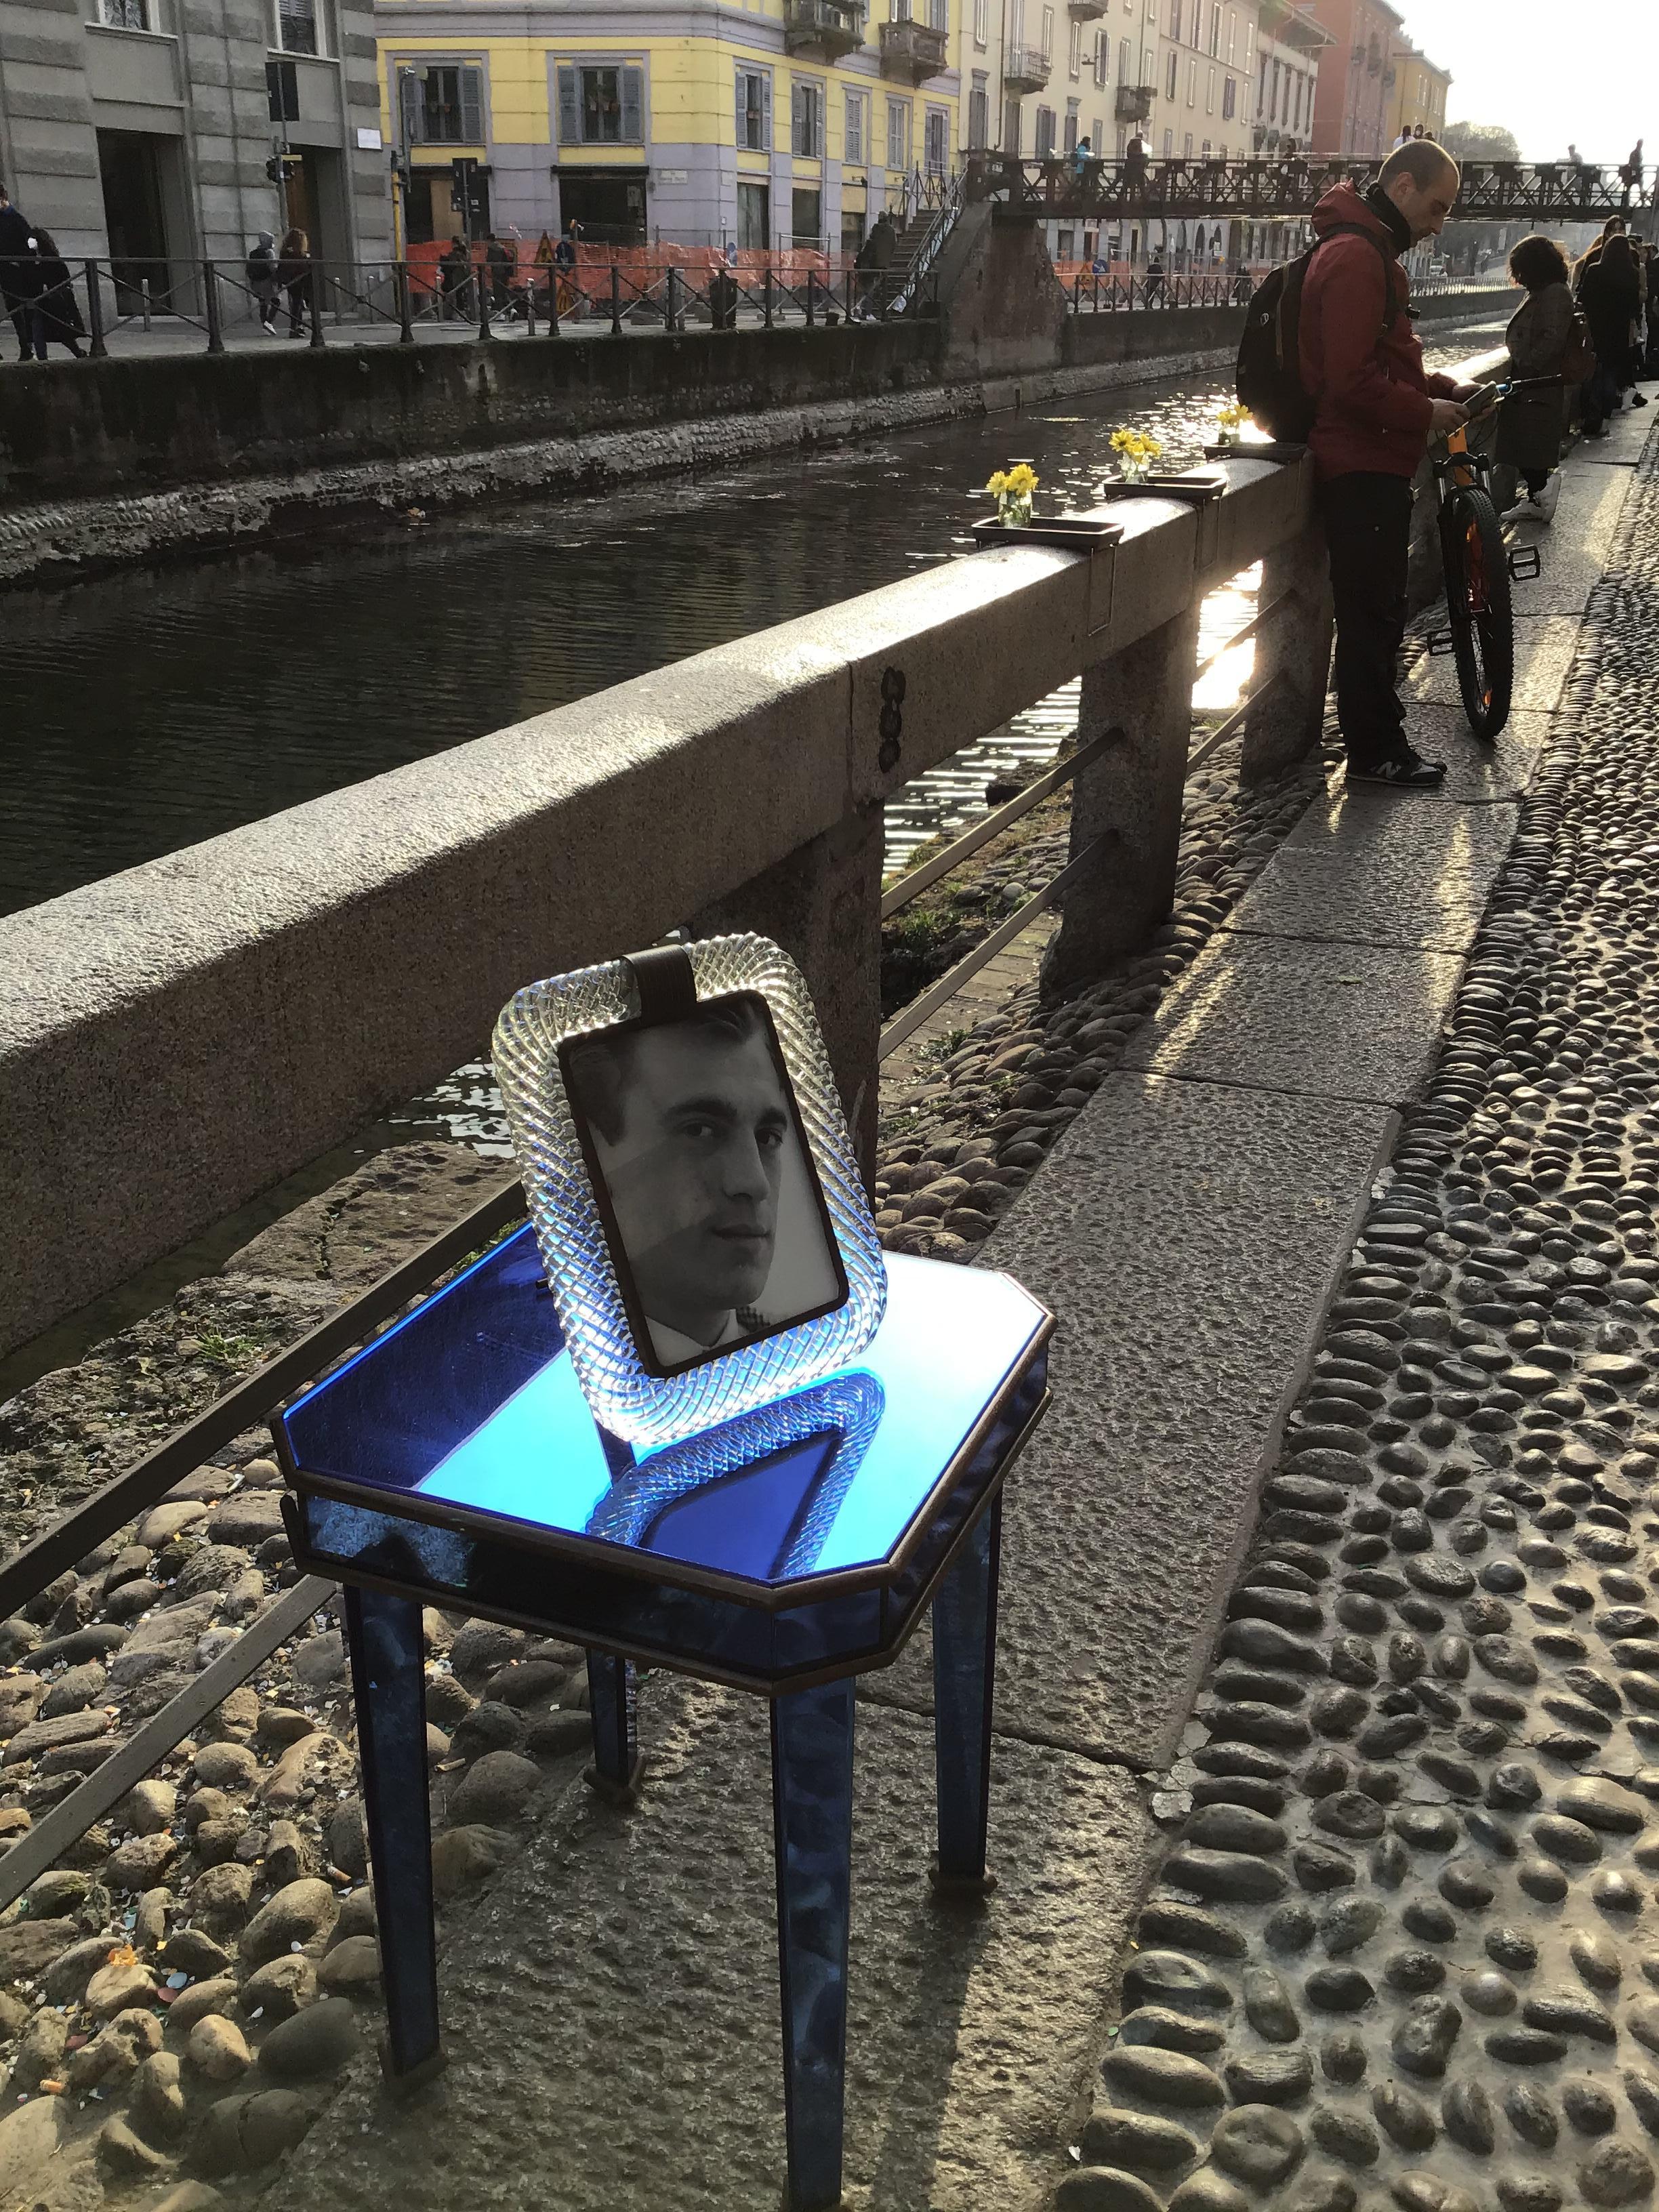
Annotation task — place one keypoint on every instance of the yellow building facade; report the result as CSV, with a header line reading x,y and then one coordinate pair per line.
x,y
790,123
1417,95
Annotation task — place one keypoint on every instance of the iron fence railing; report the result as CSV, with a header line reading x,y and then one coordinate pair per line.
x,y
408,302
1102,294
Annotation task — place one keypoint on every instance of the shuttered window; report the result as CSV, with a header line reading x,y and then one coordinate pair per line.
x,y
601,105
806,119
852,148
441,103
754,111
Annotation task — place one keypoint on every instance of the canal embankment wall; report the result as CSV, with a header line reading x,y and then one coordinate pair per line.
x,y
105,463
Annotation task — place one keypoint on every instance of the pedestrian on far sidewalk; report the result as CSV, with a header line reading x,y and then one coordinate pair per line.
x,y
1155,279
56,315
262,281
18,273
293,274
1530,423
1375,411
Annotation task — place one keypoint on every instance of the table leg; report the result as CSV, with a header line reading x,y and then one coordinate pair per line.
x,y
964,1664
390,1686
612,1699
812,1821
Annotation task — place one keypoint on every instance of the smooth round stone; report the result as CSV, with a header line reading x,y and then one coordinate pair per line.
x,y
1490,1993
1425,1827
1612,1892
1207,2191
1114,2137
1322,1867
1268,2006
1531,2115
1162,2077
1404,2118
1426,1917
1597,1961
1509,1948
1414,1972
1169,2031
1269,2077
1234,1828
1598,1803
1513,1787
1168,1978
1568,1841
1528,2192
1342,2057
1289,1930
1617,2173
1540,1880
1590,2110
1349,1923
1104,2189
1163,1923
1526,2046
1346,2135
1466,1885
1338,1989
1466,2112
1256,2144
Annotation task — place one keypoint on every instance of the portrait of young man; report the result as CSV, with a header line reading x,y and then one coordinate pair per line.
x,y
716,1224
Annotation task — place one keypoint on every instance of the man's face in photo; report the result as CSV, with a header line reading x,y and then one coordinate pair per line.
x,y
694,1176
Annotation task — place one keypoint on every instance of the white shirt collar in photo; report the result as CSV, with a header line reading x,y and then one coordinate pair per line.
x,y
673,1348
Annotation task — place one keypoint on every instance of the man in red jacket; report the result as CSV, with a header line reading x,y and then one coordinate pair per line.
x,y
1376,409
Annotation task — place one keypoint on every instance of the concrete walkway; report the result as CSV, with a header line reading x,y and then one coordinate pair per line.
x,y
610,2003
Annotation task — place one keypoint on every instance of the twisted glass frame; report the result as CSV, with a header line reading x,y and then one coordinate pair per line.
x,y
624,1398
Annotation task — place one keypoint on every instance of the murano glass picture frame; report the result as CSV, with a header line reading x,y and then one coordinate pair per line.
x,y
691,1179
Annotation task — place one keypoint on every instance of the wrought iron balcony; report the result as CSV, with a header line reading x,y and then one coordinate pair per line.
x,y
915,50
1133,103
826,26
1024,68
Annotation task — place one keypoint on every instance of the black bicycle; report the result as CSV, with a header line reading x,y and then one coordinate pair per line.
x,y
1478,568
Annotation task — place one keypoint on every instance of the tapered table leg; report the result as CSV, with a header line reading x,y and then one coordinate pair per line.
x,y
613,1698
964,1662
812,1817
389,1687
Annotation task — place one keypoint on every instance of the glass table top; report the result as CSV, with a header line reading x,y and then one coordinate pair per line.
x,y
472,1403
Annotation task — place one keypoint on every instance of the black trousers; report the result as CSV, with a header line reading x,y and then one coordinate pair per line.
x,y
1368,520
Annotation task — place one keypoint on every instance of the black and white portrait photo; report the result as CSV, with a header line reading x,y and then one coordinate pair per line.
x,y
714,1215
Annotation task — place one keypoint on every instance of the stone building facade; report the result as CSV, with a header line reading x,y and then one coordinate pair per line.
x,y
1356,77
141,130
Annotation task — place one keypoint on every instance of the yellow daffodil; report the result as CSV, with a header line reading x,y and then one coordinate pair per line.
x,y
999,482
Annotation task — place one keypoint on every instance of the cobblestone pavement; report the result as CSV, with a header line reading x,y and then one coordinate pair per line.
x,y
1405,1948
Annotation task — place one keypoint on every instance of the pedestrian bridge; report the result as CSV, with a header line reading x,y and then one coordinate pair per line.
x,y
1265,185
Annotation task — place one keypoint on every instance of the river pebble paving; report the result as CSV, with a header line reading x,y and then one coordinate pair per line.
x,y
1403,1950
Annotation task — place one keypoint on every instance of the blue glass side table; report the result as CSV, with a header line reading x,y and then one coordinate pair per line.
x,y
453,1463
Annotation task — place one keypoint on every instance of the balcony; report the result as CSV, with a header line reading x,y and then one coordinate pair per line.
x,y
1133,103
831,28
1024,68
913,50
1089,11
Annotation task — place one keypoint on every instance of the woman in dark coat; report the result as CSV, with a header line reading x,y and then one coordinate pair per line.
x,y
57,311
1529,426
1610,296
293,274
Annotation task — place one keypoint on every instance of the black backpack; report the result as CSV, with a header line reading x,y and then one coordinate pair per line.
x,y
1269,375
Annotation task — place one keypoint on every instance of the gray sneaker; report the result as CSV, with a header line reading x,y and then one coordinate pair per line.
x,y
1405,770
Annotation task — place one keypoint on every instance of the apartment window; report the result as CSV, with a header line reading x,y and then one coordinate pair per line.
x,y
1045,134
125,14
299,25
981,22
1300,83
1011,127
978,117
1169,77
1169,143
1070,140
806,119
936,134
1230,100
1123,76
1192,84
1097,137
1103,59
281,88
1232,37
601,107
1215,28
754,111
1260,92
1186,146
898,134
1209,94
441,103
852,131
1075,58
1175,18
1048,34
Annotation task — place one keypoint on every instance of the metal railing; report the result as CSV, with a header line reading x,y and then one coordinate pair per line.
x,y
406,302
1265,185
1100,293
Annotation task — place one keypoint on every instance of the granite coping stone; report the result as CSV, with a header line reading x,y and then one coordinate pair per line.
x,y
613,2040
1186,1233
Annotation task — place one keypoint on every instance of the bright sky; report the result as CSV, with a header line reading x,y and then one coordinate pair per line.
x,y
1549,72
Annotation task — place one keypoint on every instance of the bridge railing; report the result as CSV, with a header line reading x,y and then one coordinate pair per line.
x,y
179,1036
1262,187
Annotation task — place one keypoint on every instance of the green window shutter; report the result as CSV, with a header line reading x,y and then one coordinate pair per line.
x,y
743,108
570,127
766,113
632,105
472,129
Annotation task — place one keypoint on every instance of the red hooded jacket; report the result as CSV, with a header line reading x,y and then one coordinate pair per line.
x,y
1369,388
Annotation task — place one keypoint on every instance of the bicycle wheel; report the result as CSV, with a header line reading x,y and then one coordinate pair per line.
x,y
1478,607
